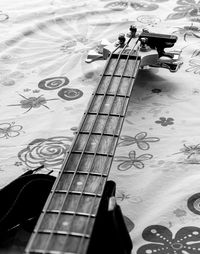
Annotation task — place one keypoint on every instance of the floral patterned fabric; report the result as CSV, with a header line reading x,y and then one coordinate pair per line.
x,y
45,87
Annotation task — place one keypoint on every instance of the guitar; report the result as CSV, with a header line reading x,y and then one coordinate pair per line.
x,y
80,214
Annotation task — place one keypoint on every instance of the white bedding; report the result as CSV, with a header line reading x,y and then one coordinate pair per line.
x,y
43,47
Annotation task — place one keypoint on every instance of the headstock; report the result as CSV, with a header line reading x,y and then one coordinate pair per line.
x,y
144,42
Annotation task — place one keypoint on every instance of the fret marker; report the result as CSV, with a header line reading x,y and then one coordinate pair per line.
x,y
79,183
65,223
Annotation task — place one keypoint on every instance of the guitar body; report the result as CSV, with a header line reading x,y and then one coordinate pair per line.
x,y
110,234
22,201
24,198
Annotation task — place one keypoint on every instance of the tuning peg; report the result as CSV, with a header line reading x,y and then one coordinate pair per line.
x,y
144,47
132,33
121,40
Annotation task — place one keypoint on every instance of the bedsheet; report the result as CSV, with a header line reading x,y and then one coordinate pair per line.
x,y
45,86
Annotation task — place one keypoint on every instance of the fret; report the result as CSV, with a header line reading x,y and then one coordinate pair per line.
x,y
89,173
95,144
48,252
98,134
117,76
90,184
108,104
81,183
113,105
77,192
85,162
90,153
104,114
59,243
112,127
70,213
66,234
81,203
114,85
66,224
78,183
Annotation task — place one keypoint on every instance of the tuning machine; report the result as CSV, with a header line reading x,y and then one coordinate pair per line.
x,y
171,60
132,32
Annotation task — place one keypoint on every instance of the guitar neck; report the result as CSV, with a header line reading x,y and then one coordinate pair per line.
x,y
66,222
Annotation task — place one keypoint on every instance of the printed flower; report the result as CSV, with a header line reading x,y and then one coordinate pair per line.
x,y
186,241
18,163
9,130
49,152
143,6
9,78
194,203
196,53
117,6
132,160
53,83
70,94
179,212
149,19
121,195
140,139
185,8
32,102
190,150
195,19
27,90
3,16
165,121
191,30
158,1
36,91
194,66
136,5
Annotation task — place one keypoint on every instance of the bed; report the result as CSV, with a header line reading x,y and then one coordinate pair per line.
x,y
46,84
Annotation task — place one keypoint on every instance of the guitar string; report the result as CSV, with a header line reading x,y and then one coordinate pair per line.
x,y
112,105
124,106
49,199
83,190
36,230
99,142
89,172
101,136
94,156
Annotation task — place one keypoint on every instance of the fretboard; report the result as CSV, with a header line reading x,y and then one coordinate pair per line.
x,y
66,222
